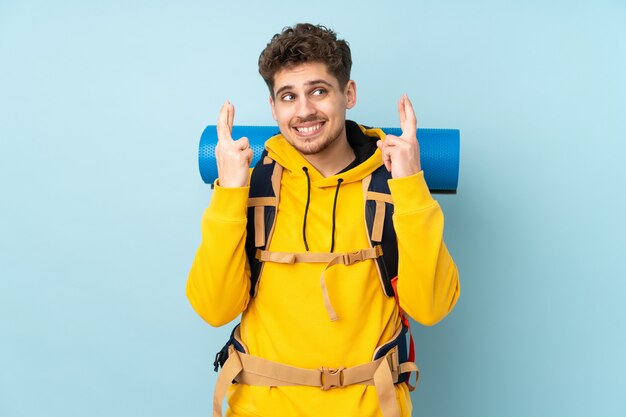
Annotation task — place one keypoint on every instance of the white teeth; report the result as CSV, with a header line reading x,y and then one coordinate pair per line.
x,y
309,129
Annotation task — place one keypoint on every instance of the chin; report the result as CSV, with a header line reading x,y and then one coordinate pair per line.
x,y
307,147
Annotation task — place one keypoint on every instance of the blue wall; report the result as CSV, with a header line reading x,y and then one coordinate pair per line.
x,y
101,110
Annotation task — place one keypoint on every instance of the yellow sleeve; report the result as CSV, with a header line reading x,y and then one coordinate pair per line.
x,y
428,280
219,280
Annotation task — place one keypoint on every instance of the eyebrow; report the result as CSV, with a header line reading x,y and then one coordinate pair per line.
x,y
307,84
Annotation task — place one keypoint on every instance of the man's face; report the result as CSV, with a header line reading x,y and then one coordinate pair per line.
x,y
310,107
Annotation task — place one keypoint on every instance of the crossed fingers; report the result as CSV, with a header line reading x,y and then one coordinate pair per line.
x,y
400,154
233,156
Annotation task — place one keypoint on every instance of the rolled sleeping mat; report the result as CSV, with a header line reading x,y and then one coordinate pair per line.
x,y
439,153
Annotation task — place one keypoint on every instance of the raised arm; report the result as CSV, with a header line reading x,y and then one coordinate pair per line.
x,y
219,280
428,280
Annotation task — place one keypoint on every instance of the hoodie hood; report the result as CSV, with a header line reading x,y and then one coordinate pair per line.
x,y
361,139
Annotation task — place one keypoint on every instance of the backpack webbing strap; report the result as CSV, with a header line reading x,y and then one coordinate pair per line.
x,y
259,204
379,215
230,370
383,197
383,373
331,259
262,209
379,225
407,324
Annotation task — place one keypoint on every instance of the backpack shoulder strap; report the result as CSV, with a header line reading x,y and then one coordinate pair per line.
x,y
378,216
262,208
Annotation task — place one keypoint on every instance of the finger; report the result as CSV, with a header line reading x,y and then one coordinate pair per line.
x,y
231,117
223,131
242,143
401,112
387,162
248,155
408,120
391,140
394,142
384,154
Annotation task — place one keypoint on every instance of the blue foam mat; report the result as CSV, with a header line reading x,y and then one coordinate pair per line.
x,y
439,152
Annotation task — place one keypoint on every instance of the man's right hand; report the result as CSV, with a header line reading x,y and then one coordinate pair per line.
x,y
233,156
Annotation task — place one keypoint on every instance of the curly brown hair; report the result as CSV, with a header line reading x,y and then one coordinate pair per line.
x,y
302,43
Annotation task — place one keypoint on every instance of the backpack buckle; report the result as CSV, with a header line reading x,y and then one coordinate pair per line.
x,y
220,358
331,378
352,257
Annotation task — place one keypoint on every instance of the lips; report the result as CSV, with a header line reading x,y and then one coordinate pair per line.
x,y
308,129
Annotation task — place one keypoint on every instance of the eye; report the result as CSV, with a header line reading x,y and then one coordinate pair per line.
x,y
287,97
319,92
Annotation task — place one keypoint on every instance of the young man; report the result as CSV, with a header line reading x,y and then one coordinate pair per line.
x,y
317,315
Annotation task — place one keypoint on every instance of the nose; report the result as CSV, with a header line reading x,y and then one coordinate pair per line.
x,y
305,107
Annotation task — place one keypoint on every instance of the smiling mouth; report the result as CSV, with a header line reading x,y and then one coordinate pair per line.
x,y
309,129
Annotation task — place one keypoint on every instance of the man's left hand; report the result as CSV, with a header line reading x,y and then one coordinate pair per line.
x,y
401,154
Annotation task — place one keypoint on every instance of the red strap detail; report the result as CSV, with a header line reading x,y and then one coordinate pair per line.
x,y
411,347
405,319
394,284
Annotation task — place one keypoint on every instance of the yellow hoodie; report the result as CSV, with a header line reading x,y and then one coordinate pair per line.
x,y
286,321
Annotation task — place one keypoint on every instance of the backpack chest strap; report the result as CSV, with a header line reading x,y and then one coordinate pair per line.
x,y
330,259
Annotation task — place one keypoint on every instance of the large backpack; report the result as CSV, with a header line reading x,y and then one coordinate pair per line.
x,y
262,207
262,210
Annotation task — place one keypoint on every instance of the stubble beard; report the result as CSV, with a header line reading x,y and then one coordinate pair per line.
x,y
319,146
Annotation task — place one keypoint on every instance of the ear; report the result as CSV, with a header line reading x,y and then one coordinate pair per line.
x,y
350,93
273,109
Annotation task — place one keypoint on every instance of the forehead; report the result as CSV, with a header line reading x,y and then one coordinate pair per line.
x,y
303,74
